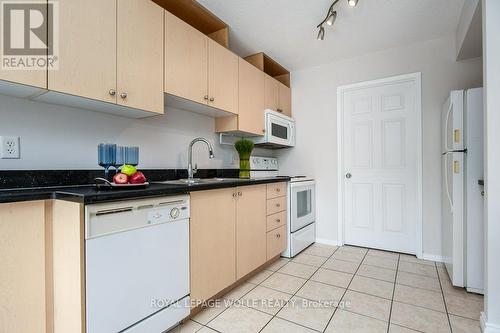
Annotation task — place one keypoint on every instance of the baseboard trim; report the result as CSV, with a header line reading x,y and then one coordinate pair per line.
x,y
488,328
432,257
327,241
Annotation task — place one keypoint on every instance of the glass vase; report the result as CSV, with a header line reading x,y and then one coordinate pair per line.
x,y
244,168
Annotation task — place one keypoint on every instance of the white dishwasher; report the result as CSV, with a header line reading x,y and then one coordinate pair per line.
x,y
137,265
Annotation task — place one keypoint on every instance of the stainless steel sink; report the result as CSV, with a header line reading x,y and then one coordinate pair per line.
x,y
197,181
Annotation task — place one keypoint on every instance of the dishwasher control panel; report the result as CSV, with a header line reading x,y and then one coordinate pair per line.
x,y
109,218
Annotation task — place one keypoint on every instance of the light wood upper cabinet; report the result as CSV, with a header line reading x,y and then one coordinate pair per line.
x,y
251,99
251,225
186,60
212,242
140,55
36,78
272,93
87,50
222,77
24,268
285,105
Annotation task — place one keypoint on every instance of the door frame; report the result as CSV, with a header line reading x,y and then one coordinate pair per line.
x,y
412,77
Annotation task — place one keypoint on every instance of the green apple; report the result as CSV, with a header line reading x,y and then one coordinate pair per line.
x,y
129,170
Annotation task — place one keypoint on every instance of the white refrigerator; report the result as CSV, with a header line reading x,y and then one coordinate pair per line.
x,y
462,201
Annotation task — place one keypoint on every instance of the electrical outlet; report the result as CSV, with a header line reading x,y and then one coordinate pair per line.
x,y
10,147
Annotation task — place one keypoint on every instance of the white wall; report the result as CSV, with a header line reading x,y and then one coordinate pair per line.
x,y
314,108
490,321
58,137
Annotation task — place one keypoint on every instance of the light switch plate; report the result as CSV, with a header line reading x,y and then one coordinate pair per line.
x,y
10,147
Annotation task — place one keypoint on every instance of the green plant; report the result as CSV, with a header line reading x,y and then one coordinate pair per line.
x,y
244,148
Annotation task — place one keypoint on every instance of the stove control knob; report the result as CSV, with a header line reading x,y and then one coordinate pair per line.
x,y
174,213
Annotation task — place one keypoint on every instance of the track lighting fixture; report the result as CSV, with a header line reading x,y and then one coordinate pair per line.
x,y
321,33
330,18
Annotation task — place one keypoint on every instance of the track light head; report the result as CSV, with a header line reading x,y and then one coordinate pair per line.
x,y
331,19
321,33
352,3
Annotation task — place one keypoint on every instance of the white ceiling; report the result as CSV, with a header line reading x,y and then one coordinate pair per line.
x,y
286,29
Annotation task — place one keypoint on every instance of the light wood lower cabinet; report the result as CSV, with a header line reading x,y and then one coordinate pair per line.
x,y
212,242
250,229
41,267
276,242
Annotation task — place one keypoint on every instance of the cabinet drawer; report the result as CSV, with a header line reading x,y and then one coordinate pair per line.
x,y
276,242
276,190
276,220
276,205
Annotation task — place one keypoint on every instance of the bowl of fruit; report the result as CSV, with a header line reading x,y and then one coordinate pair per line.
x,y
127,177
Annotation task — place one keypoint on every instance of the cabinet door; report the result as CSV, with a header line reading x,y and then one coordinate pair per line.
x,y
285,100
212,242
36,78
251,98
24,273
140,55
251,227
87,50
276,242
186,60
222,77
272,93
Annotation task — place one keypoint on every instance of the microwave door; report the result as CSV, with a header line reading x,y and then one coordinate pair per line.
x,y
280,132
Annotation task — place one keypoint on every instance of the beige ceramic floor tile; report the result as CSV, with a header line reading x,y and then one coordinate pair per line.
x,y
265,299
320,250
206,330
450,290
308,259
188,327
464,325
399,329
348,256
210,313
414,268
373,287
419,281
277,264
283,282
378,273
341,265
240,319
278,325
354,249
307,313
259,277
420,297
324,293
380,262
415,260
465,308
348,322
238,292
299,270
419,319
383,254
367,305
335,278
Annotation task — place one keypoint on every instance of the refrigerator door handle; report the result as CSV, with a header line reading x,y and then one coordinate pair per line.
x,y
446,127
447,186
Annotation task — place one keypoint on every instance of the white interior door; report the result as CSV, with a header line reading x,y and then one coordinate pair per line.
x,y
381,156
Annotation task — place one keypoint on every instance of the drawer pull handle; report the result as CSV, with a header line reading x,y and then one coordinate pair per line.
x,y
278,220
277,190
278,236
278,205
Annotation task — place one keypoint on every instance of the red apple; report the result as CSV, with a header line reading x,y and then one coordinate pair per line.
x,y
137,178
120,178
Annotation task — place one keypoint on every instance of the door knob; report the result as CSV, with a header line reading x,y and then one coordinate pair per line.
x,y
348,175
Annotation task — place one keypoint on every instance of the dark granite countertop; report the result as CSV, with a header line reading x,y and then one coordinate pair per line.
x,y
88,194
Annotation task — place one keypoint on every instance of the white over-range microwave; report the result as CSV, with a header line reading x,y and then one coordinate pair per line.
x,y
279,131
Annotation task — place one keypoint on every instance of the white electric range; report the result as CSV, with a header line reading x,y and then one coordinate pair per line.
x,y
301,221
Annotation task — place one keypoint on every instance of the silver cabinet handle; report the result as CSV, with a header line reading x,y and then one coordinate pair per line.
x,y
263,131
240,194
277,190
123,95
212,99
234,195
279,110
278,236
278,220
112,92
278,205
348,175
205,97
